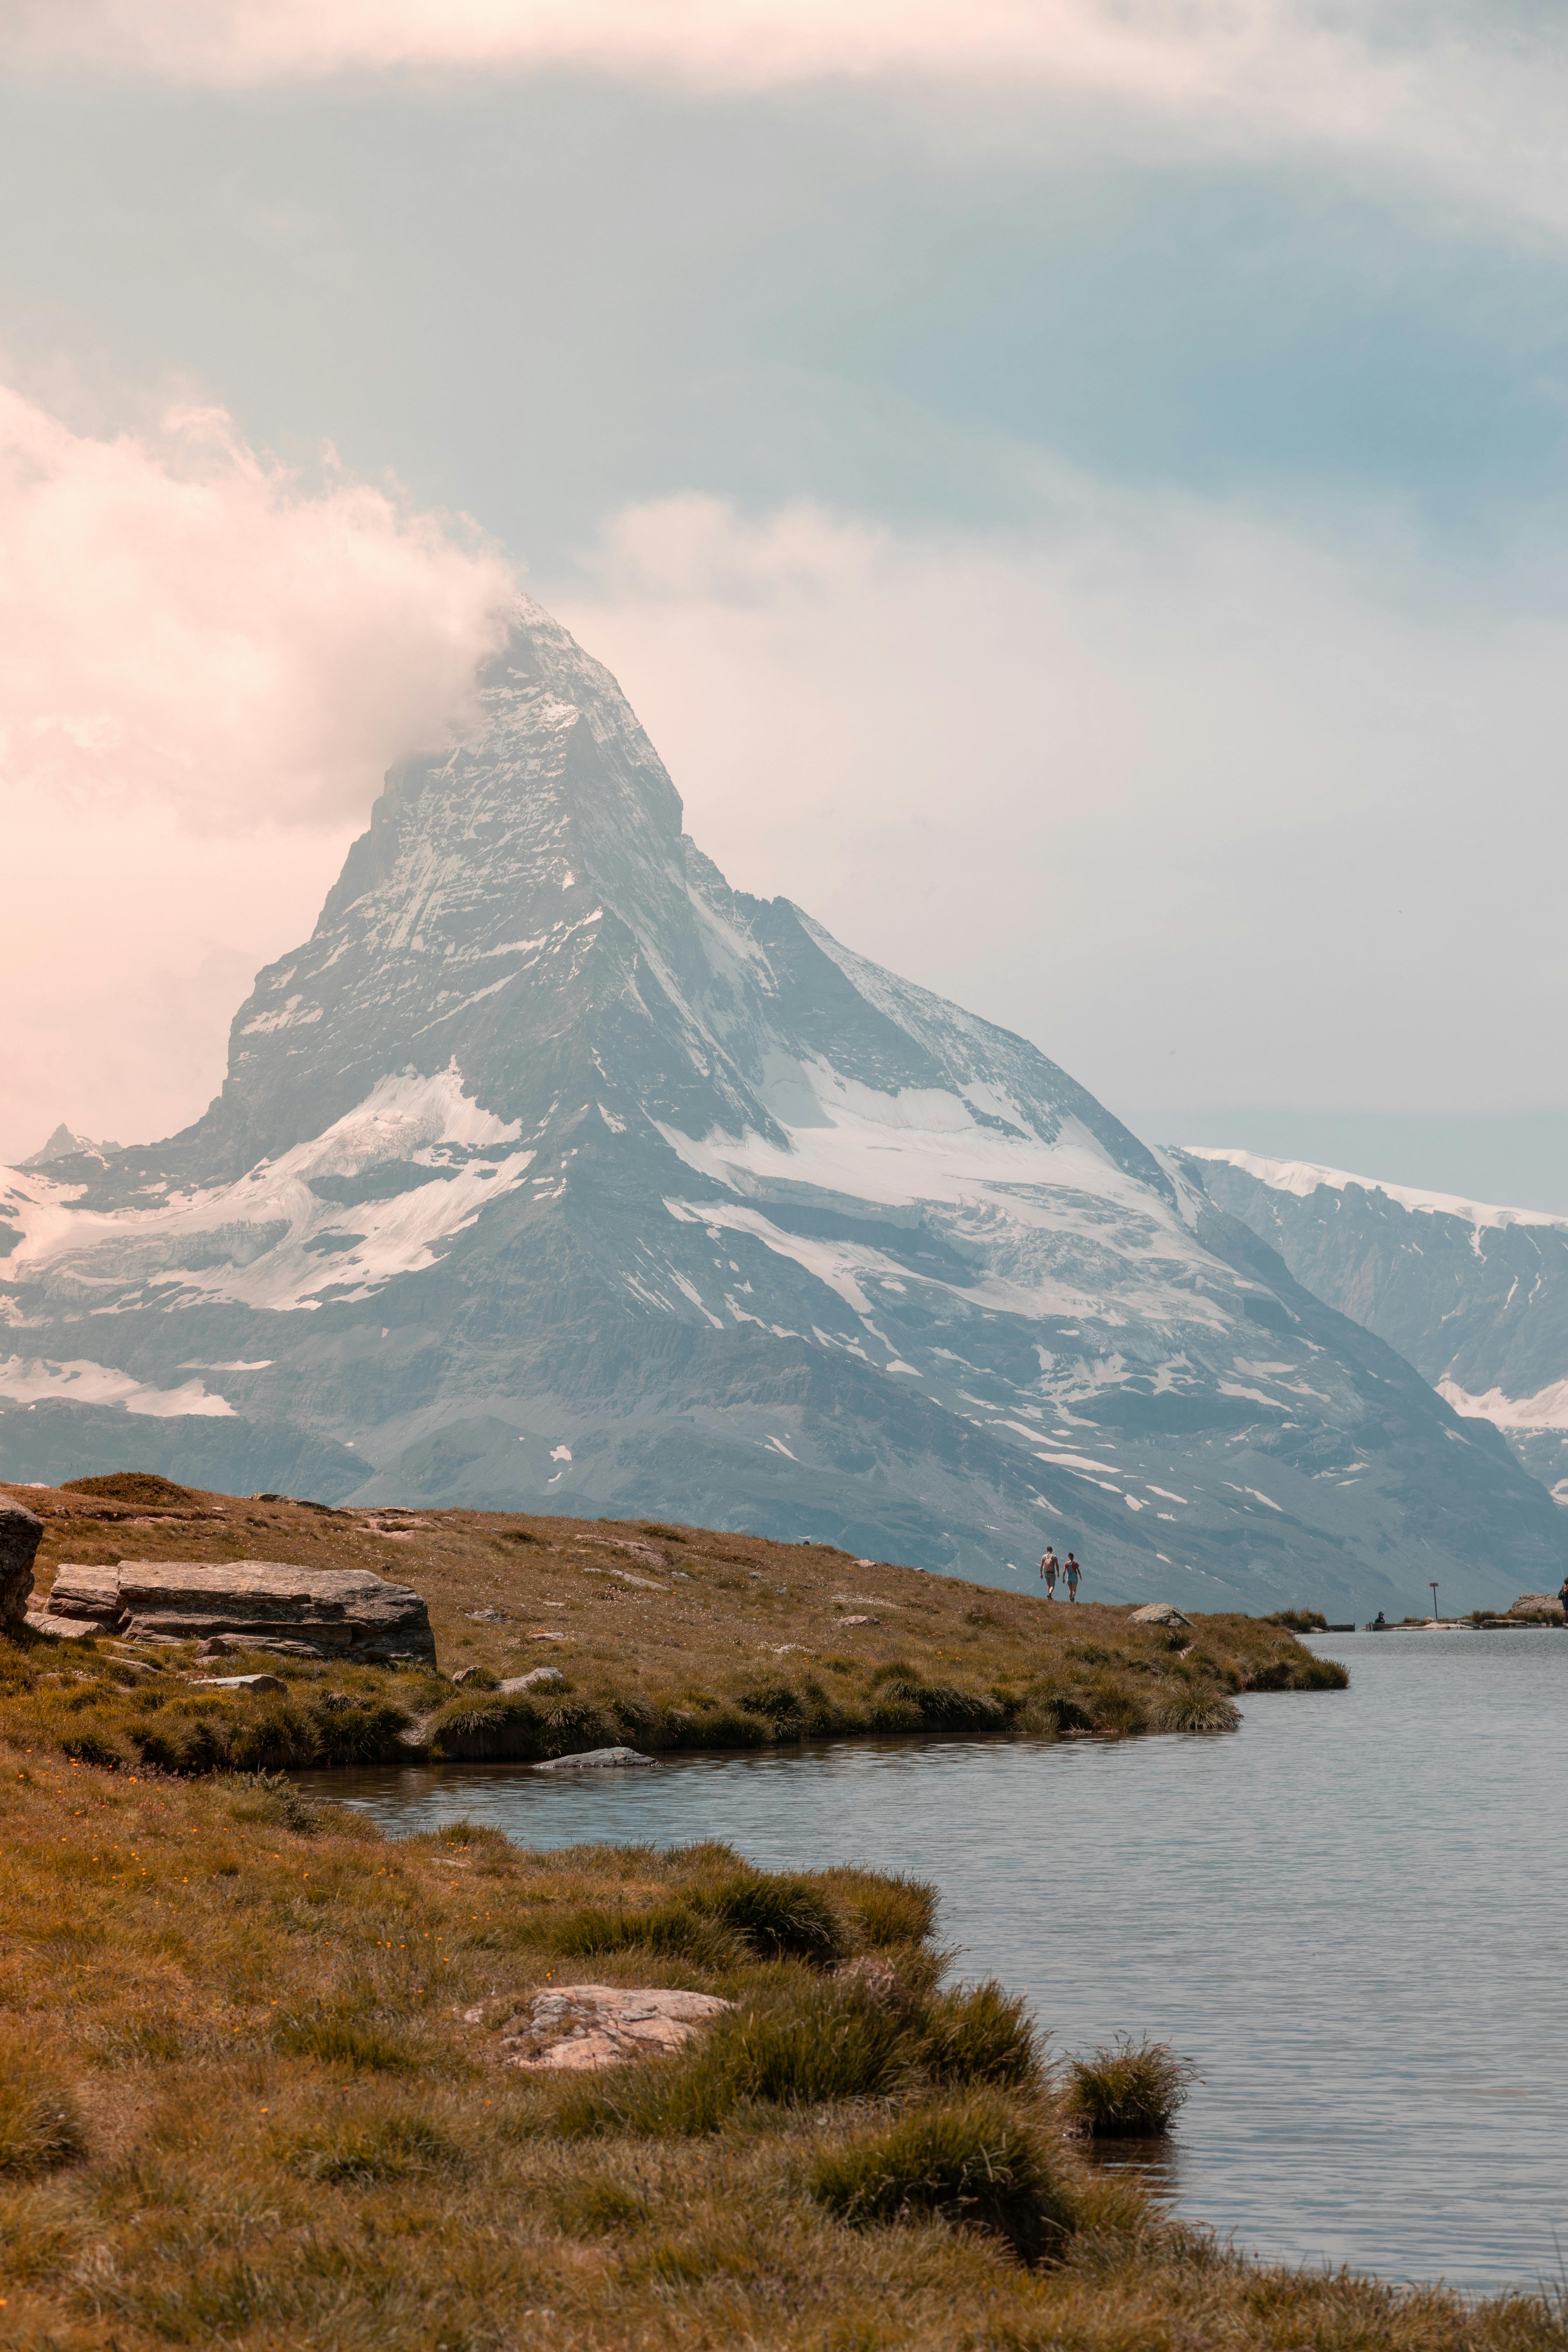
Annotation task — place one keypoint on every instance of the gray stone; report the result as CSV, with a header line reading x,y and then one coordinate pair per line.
x,y
1160,1612
21,1532
595,1759
1538,1604
474,1678
336,1612
542,1678
239,1683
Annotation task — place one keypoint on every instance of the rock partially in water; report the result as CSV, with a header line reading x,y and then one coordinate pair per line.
x,y
1160,1612
578,2029
595,1759
21,1532
331,1612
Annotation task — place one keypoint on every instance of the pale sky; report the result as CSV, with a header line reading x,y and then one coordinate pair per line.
x,y
1076,493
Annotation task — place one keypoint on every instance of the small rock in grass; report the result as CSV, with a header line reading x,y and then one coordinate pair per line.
x,y
577,2029
1159,1612
239,1682
541,1678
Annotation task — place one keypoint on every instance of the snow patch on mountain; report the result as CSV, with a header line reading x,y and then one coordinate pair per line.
x,y
1304,1177
1548,1409
26,1380
295,1231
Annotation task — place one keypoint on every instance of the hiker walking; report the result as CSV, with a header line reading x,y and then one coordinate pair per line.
x,y
1563,1596
1048,1570
1072,1573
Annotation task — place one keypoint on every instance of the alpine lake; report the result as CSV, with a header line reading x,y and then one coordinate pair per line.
x,y
1351,1915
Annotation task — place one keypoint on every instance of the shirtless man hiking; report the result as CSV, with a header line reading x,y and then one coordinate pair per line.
x,y
1048,1570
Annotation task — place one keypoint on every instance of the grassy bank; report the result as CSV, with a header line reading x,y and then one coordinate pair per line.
x,y
240,2104
664,1638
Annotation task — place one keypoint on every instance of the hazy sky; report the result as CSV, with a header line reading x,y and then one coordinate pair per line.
x,y
1076,492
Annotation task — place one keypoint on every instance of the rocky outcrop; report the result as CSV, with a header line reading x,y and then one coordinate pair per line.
x,y
21,1532
337,1612
1538,1604
1160,1612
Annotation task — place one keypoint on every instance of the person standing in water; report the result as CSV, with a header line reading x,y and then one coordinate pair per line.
x,y
1072,1573
1048,1570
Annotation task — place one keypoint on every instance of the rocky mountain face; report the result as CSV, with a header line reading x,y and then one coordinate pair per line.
x,y
1476,1297
552,1174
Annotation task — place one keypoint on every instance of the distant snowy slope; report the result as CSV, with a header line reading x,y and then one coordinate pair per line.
x,y
552,1173
1474,1296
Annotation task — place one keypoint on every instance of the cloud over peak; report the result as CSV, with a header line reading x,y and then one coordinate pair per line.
x,y
186,622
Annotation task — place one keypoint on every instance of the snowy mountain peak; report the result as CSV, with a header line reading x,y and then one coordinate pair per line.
x,y
551,1171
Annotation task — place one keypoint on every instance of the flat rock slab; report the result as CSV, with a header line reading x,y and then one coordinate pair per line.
x,y
595,1759
62,1629
1159,1612
325,1613
541,1678
578,2029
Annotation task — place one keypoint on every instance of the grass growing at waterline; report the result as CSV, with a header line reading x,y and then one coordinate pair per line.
x,y
665,1638
1127,2090
242,2104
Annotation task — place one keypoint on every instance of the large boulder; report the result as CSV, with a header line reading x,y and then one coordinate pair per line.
x,y
1160,1612
1538,1604
327,1613
21,1533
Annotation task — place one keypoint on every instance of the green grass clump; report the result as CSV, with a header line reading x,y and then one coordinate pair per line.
x,y
366,2150
1299,1620
973,2161
779,1918
895,1910
984,2034
1127,2090
40,2127
807,2048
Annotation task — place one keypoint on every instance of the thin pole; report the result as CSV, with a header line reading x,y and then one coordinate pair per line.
x,y
1434,1584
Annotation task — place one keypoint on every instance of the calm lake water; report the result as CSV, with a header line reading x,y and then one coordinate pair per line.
x,y
1352,1915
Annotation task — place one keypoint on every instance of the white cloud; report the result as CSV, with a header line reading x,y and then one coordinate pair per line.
x,y
1212,810
186,622
1472,88
206,666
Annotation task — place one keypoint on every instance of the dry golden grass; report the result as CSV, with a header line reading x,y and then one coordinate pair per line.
x,y
668,1638
240,2106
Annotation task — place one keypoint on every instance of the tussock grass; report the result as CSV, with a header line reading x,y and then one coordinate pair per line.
x,y
1127,2090
975,2162
982,2035
40,2126
196,2152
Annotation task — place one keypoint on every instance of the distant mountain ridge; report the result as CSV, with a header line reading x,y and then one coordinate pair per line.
x,y
551,1171
1474,1296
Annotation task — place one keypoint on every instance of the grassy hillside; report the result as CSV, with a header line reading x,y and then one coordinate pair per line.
x,y
665,1638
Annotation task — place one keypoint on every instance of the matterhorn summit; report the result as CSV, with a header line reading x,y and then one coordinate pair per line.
x,y
551,1173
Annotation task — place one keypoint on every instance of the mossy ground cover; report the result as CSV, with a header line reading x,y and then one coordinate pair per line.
x,y
241,2104
665,1638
